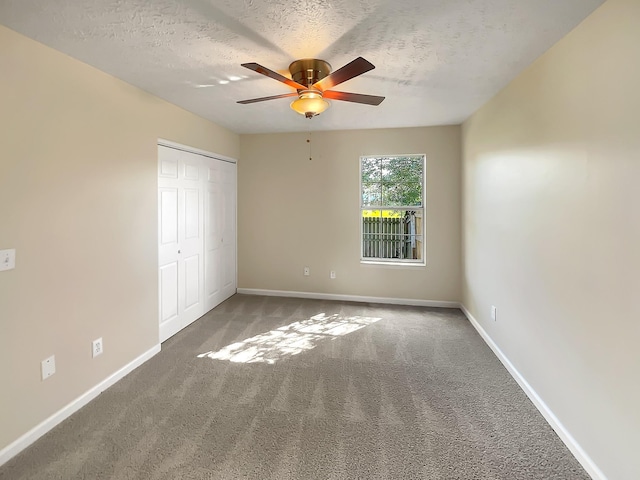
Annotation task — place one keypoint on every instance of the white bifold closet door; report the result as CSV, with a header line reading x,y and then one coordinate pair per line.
x,y
196,236
220,238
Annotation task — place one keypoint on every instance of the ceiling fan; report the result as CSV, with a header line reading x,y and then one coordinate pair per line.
x,y
312,79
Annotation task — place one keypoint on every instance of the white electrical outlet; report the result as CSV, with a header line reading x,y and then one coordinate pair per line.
x,y
332,275
48,366
306,271
494,313
96,348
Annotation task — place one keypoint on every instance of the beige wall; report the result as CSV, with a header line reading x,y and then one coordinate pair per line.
x,y
552,231
294,212
78,202
550,237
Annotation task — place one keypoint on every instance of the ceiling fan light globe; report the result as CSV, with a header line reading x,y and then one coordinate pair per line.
x,y
310,103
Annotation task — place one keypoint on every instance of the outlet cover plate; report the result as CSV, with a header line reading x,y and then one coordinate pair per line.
x,y
96,347
48,366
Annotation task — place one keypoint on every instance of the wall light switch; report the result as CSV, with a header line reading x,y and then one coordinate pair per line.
x,y
7,259
494,313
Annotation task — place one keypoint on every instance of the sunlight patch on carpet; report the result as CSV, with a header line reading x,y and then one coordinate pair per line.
x,y
291,339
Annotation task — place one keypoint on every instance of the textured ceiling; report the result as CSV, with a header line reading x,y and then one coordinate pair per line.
x,y
437,61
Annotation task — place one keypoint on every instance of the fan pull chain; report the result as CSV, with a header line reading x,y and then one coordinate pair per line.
x,y
309,142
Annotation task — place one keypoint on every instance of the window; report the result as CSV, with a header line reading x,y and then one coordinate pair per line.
x,y
392,209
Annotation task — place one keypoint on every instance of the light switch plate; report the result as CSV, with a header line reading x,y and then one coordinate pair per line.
x,y
7,259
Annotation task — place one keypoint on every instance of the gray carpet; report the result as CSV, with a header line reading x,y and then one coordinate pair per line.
x,y
416,394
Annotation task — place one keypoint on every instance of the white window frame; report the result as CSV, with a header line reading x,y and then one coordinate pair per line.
x,y
395,261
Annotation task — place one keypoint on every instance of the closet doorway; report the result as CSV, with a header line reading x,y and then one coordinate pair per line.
x,y
196,234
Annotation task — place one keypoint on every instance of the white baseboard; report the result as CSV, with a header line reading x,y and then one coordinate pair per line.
x,y
587,463
36,432
349,298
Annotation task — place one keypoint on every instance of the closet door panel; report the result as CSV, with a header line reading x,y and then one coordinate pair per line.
x,y
229,230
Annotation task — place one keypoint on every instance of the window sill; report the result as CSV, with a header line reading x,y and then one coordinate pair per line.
x,y
393,264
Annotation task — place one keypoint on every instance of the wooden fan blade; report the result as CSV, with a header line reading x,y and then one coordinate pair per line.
x,y
271,74
262,99
353,97
349,71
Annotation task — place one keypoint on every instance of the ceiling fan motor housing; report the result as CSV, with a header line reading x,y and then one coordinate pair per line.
x,y
308,71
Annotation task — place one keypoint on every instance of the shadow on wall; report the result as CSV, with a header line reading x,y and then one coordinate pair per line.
x,y
291,339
